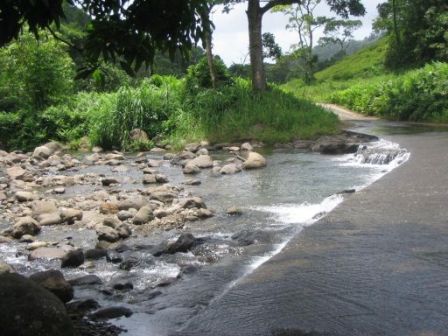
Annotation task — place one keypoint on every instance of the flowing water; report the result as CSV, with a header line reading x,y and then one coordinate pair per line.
x,y
293,191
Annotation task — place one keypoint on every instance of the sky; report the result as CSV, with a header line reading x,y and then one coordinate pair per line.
x,y
230,38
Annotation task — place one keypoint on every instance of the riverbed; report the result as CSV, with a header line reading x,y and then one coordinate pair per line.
x,y
274,204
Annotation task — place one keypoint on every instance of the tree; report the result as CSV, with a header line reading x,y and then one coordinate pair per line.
x,y
339,32
255,12
417,30
126,31
271,49
303,20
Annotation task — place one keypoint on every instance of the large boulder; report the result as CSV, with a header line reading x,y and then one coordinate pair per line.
x,y
49,253
25,226
28,309
6,268
184,243
138,134
43,207
107,234
55,282
202,161
230,169
25,196
143,216
42,153
73,258
17,173
254,161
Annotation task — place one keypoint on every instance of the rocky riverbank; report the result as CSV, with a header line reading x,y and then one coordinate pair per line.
x,y
97,217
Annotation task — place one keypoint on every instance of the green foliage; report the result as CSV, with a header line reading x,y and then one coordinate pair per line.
x,y
236,113
108,118
130,29
106,78
418,31
198,76
34,74
419,95
367,62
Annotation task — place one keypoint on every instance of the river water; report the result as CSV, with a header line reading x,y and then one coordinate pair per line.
x,y
295,190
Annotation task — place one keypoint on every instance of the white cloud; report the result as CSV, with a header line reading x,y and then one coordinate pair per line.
x,y
231,38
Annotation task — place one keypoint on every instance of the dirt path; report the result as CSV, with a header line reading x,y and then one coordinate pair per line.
x,y
345,114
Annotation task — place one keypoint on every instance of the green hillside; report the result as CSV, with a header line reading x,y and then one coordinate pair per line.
x,y
361,83
367,62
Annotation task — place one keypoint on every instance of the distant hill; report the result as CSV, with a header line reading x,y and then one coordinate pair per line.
x,y
367,62
327,52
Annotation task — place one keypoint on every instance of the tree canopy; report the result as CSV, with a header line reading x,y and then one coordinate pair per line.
x,y
129,31
418,31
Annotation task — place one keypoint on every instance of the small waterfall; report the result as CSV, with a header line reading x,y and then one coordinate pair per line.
x,y
379,155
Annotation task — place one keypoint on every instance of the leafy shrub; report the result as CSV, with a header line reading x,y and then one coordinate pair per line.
x,y
236,113
106,78
108,118
418,95
34,74
198,76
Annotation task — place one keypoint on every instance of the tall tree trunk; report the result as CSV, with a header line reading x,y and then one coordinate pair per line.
x,y
395,19
209,52
255,16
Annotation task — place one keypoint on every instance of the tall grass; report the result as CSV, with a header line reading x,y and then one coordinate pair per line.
x,y
236,113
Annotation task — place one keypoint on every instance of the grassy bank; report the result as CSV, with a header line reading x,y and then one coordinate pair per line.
x,y
359,82
42,101
166,109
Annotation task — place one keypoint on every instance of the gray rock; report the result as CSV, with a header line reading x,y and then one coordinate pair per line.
x,y
48,253
43,207
55,282
202,161
107,181
254,161
42,153
50,219
73,258
193,182
149,179
59,190
124,231
132,203
191,169
184,243
5,268
25,196
247,147
80,307
110,313
25,226
234,211
86,280
202,151
143,216
69,215
107,233
16,173
124,215
192,147
230,169
95,254
154,163
138,134
160,178
192,202
28,309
